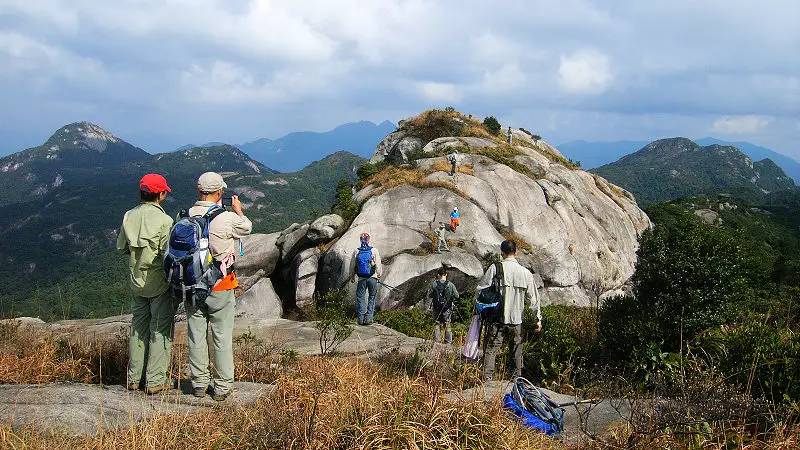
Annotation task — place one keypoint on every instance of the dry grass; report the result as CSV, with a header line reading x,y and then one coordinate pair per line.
x,y
444,166
29,356
393,176
509,235
326,403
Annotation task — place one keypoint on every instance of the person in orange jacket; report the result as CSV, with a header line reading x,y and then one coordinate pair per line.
x,y
455,219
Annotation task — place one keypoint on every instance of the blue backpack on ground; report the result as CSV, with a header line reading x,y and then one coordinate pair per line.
x,y
188,264
364,266
534,408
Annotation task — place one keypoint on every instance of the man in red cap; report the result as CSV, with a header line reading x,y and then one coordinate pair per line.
x,y
144,237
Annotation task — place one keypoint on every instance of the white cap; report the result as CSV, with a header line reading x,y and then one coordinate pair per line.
x,y
210,182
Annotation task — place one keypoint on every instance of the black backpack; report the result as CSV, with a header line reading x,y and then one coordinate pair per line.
x,y
441,301
490,301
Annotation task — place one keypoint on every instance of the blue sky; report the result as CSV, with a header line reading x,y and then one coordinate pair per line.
x,y
163,73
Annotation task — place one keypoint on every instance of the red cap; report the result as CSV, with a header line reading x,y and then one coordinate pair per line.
x,y
154,183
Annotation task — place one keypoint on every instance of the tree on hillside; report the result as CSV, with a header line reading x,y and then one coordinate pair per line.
x,y
688,278
492,124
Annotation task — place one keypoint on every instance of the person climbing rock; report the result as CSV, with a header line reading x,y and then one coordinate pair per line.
x,y
218,309
442,294
455,219
365,266
453,158
143,236
441,238
518,288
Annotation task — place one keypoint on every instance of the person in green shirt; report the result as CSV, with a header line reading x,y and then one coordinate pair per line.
x,y
144,236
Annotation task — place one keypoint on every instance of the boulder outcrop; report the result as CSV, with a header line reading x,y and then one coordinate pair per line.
x,y
575,230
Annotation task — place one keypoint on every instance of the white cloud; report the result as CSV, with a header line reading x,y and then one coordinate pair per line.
x,y
746,124
584,72
436,92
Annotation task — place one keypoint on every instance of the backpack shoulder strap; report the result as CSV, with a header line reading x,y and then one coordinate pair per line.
x,y
213,213
498,272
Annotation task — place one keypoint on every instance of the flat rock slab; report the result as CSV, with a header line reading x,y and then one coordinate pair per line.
x,y
86,409
580,420
303,337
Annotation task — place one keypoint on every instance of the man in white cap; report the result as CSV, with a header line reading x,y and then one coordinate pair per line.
x,y
219,307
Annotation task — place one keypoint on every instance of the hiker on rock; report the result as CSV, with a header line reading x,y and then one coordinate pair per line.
x,y
518,288
224,228
442,294
143,236
453,158
441,238
365,266
455,219
510,136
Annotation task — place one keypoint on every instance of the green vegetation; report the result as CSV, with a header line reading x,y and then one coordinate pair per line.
x,y
669,169
345,206
492,125
63,243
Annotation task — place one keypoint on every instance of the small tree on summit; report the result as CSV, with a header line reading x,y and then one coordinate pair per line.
x,y
492,124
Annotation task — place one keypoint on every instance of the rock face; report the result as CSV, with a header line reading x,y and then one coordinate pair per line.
x,y
86,409
582,231
396,147
324,228
260,301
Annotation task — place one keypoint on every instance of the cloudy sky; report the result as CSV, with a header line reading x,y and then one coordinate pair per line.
x,y
161,73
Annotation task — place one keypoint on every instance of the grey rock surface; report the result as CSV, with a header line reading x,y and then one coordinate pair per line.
x,y
324,228
582,230
86,409
260,253
305,275
260,301
580,420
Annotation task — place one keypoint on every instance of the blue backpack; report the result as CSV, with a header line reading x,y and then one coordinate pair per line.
x,y
188,264
534,408
364,266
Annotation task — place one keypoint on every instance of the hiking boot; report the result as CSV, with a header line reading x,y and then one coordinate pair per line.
x,y
220,397
150,390
199,392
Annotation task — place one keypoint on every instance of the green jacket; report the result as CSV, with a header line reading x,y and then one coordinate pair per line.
x,y
144,236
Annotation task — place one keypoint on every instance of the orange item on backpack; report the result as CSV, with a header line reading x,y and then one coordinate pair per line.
x,y
226,283
454,223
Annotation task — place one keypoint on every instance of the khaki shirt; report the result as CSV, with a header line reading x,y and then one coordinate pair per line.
x,y
224,230
144,235
519,288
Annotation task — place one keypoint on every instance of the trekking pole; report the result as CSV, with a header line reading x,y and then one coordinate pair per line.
x,y
384,284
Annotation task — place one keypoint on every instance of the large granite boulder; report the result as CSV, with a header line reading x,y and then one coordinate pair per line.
x,y
324,228
396,147
306,264
580,232
260,301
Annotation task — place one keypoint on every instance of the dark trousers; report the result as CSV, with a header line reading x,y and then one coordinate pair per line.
x,y
493,340
365,308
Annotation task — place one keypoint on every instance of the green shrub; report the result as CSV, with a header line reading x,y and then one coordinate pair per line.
x,y
369,169
345,206
492,124
689,277
567,341
415,322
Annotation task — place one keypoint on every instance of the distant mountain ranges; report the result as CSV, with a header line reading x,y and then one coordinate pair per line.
x,y
668,169
62,202
596,154
296,150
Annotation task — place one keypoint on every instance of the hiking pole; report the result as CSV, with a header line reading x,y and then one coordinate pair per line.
x,y
384,284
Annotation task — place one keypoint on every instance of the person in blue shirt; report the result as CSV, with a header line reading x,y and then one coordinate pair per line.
x,y
455,219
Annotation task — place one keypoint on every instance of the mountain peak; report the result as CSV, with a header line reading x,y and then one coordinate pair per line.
x,y
82,135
